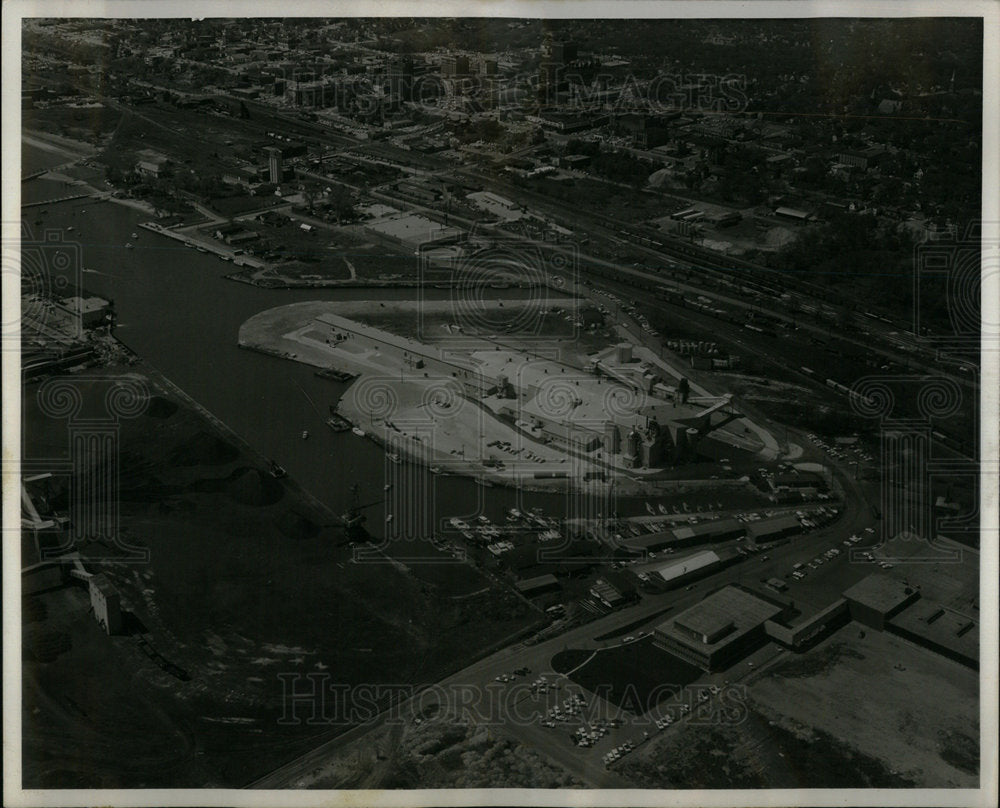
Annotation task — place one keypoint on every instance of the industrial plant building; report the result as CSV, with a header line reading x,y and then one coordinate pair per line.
x,y
716,632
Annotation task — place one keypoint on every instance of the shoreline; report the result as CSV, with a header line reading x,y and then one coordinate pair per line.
x,y
156,376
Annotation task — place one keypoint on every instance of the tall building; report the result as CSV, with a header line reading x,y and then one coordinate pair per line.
x,y
563,52
400,73
274,166
552,68
452,66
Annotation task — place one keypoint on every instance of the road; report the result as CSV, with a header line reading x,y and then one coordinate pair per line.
x,y
821,587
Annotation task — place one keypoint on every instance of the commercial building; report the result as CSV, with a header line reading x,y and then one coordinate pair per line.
x,y
89,311
414,231
886,603
773,529
716,632
876,599
685,569
420,191
941,629
794,214
539,585
607,593
808,630
151,168
686,535
452,66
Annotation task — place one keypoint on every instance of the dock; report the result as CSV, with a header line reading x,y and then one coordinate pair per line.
x,y
336,375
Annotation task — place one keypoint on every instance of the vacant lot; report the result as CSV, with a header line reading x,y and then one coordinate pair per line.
x,y
913,710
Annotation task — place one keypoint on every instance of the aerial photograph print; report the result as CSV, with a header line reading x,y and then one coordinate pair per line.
x,y
532,405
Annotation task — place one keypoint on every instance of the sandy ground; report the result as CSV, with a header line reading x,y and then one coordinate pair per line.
x,y
425,418
421,417
851,688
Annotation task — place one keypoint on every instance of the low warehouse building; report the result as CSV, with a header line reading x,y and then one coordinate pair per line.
x,y
942,630
773,529
685,569
539,585
704,533
877,598
716,632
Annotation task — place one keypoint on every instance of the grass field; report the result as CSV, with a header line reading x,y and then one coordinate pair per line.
x,y
635,676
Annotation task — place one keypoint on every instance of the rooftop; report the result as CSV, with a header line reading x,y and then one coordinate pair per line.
x,y
881,592
779,524
942,626
537,582
683,566
709,529
731,608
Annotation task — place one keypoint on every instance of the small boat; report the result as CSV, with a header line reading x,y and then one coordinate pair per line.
x,y
189,244
129,246
70,229
357,430
650,509
134,235
202,249
663,509
388,518
435,469
305,434
276,471
394,457
483,482
387,486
